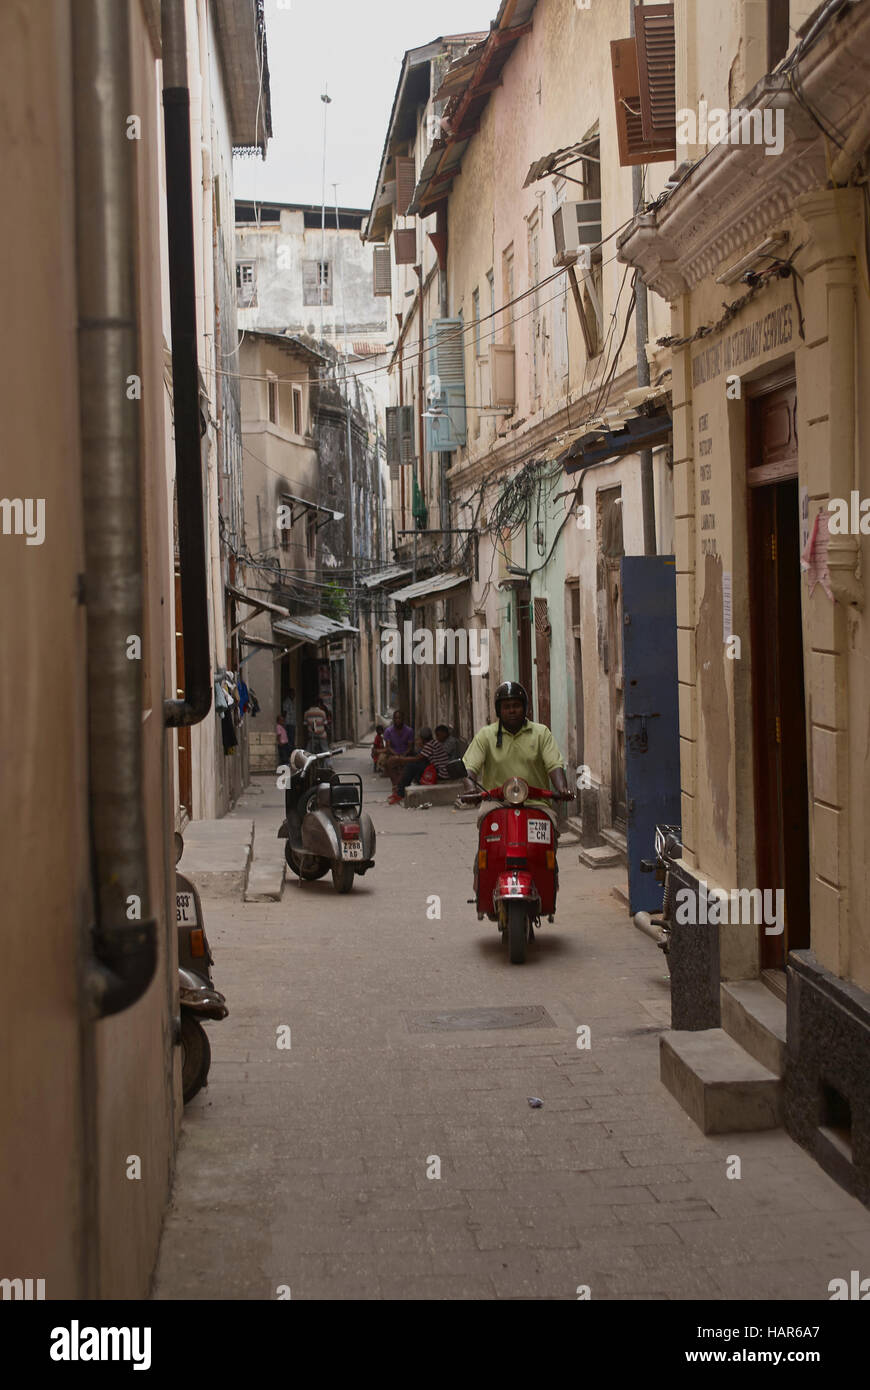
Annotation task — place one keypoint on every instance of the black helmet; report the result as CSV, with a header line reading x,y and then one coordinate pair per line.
x,y
510,690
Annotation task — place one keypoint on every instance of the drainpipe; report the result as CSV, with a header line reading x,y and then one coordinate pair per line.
x,y
185,374
641,329
125,951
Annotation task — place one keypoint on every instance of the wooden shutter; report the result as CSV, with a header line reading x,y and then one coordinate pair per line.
x,y
446,429
393,458
633,148
406,434
542,659
406,182
405,246
310,282
381,271
656,65
400,437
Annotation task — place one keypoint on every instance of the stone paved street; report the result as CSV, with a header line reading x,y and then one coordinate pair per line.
x,y
308,1167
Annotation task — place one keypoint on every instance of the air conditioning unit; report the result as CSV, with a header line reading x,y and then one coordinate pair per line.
x,y
577,226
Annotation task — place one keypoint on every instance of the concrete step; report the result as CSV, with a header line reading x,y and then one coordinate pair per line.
x,y
439,794
266,873
615,839
600,857
217,855
719,1086
756,1019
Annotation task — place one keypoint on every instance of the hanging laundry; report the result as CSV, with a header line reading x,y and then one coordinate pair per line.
x,y
228,733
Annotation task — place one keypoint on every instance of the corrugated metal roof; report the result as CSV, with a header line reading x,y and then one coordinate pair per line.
x,y
384,576
435,584
311,627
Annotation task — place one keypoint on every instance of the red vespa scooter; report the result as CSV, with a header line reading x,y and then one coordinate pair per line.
x,y
515,878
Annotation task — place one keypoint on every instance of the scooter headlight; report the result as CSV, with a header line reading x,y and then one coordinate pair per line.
x,y
515,790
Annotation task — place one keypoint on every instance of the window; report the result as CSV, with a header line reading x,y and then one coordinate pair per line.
x,y
316,282
777,32
246,284
272,393
297,410
311,534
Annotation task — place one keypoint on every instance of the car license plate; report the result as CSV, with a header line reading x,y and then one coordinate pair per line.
x,y
185,910
539,832
352,849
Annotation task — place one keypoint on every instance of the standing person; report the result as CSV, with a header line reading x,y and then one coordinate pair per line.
x,y
289,710
315,719
378,746
283,741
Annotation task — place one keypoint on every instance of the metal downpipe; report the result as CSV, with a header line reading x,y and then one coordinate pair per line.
x,y
108,355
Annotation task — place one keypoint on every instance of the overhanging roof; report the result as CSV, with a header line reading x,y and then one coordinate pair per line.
x,y
466,90
241,35
412,92
311,627
435,584
372,581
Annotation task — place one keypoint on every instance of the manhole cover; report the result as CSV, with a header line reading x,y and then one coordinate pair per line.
x,y
454,1020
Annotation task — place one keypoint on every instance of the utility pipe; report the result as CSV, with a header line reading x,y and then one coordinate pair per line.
x,y
124,938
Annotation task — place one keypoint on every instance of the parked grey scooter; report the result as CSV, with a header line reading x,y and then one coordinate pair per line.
x,y
197,996
325,826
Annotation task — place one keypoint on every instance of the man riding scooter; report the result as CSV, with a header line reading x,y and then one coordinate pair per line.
x,y
515,747
515,870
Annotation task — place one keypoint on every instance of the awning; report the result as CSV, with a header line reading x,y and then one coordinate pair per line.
x,y
374,581
560,159
311,627
600,445
435,584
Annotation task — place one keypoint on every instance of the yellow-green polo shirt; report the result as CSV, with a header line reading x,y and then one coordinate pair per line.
x,y
530,753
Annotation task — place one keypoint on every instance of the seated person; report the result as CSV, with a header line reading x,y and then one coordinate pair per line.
x,y
431,751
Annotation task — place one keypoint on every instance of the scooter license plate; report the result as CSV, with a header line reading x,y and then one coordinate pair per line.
x,y
352,849
539,831
185,910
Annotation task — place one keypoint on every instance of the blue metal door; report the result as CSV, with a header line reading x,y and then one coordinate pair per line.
x,y
652,728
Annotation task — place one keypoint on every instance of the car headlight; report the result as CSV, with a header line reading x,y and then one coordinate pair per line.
x,y
515,790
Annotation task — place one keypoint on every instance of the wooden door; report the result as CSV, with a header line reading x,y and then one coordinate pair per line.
x,y
185,777
524,645
779,714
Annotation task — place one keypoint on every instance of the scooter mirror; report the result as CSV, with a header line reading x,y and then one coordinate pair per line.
x,y
456,768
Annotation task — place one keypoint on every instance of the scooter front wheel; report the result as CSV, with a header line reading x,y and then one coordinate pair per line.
x,y
517,930
342,877
195,1056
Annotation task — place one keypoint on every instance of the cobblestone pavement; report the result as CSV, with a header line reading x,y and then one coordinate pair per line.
x,y
307,1168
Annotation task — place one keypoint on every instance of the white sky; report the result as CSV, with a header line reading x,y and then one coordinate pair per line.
x,y
353,48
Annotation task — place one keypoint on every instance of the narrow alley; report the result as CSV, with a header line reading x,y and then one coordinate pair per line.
x,y
413,1039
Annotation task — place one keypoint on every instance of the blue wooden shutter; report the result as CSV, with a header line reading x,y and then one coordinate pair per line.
x,y
446,428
